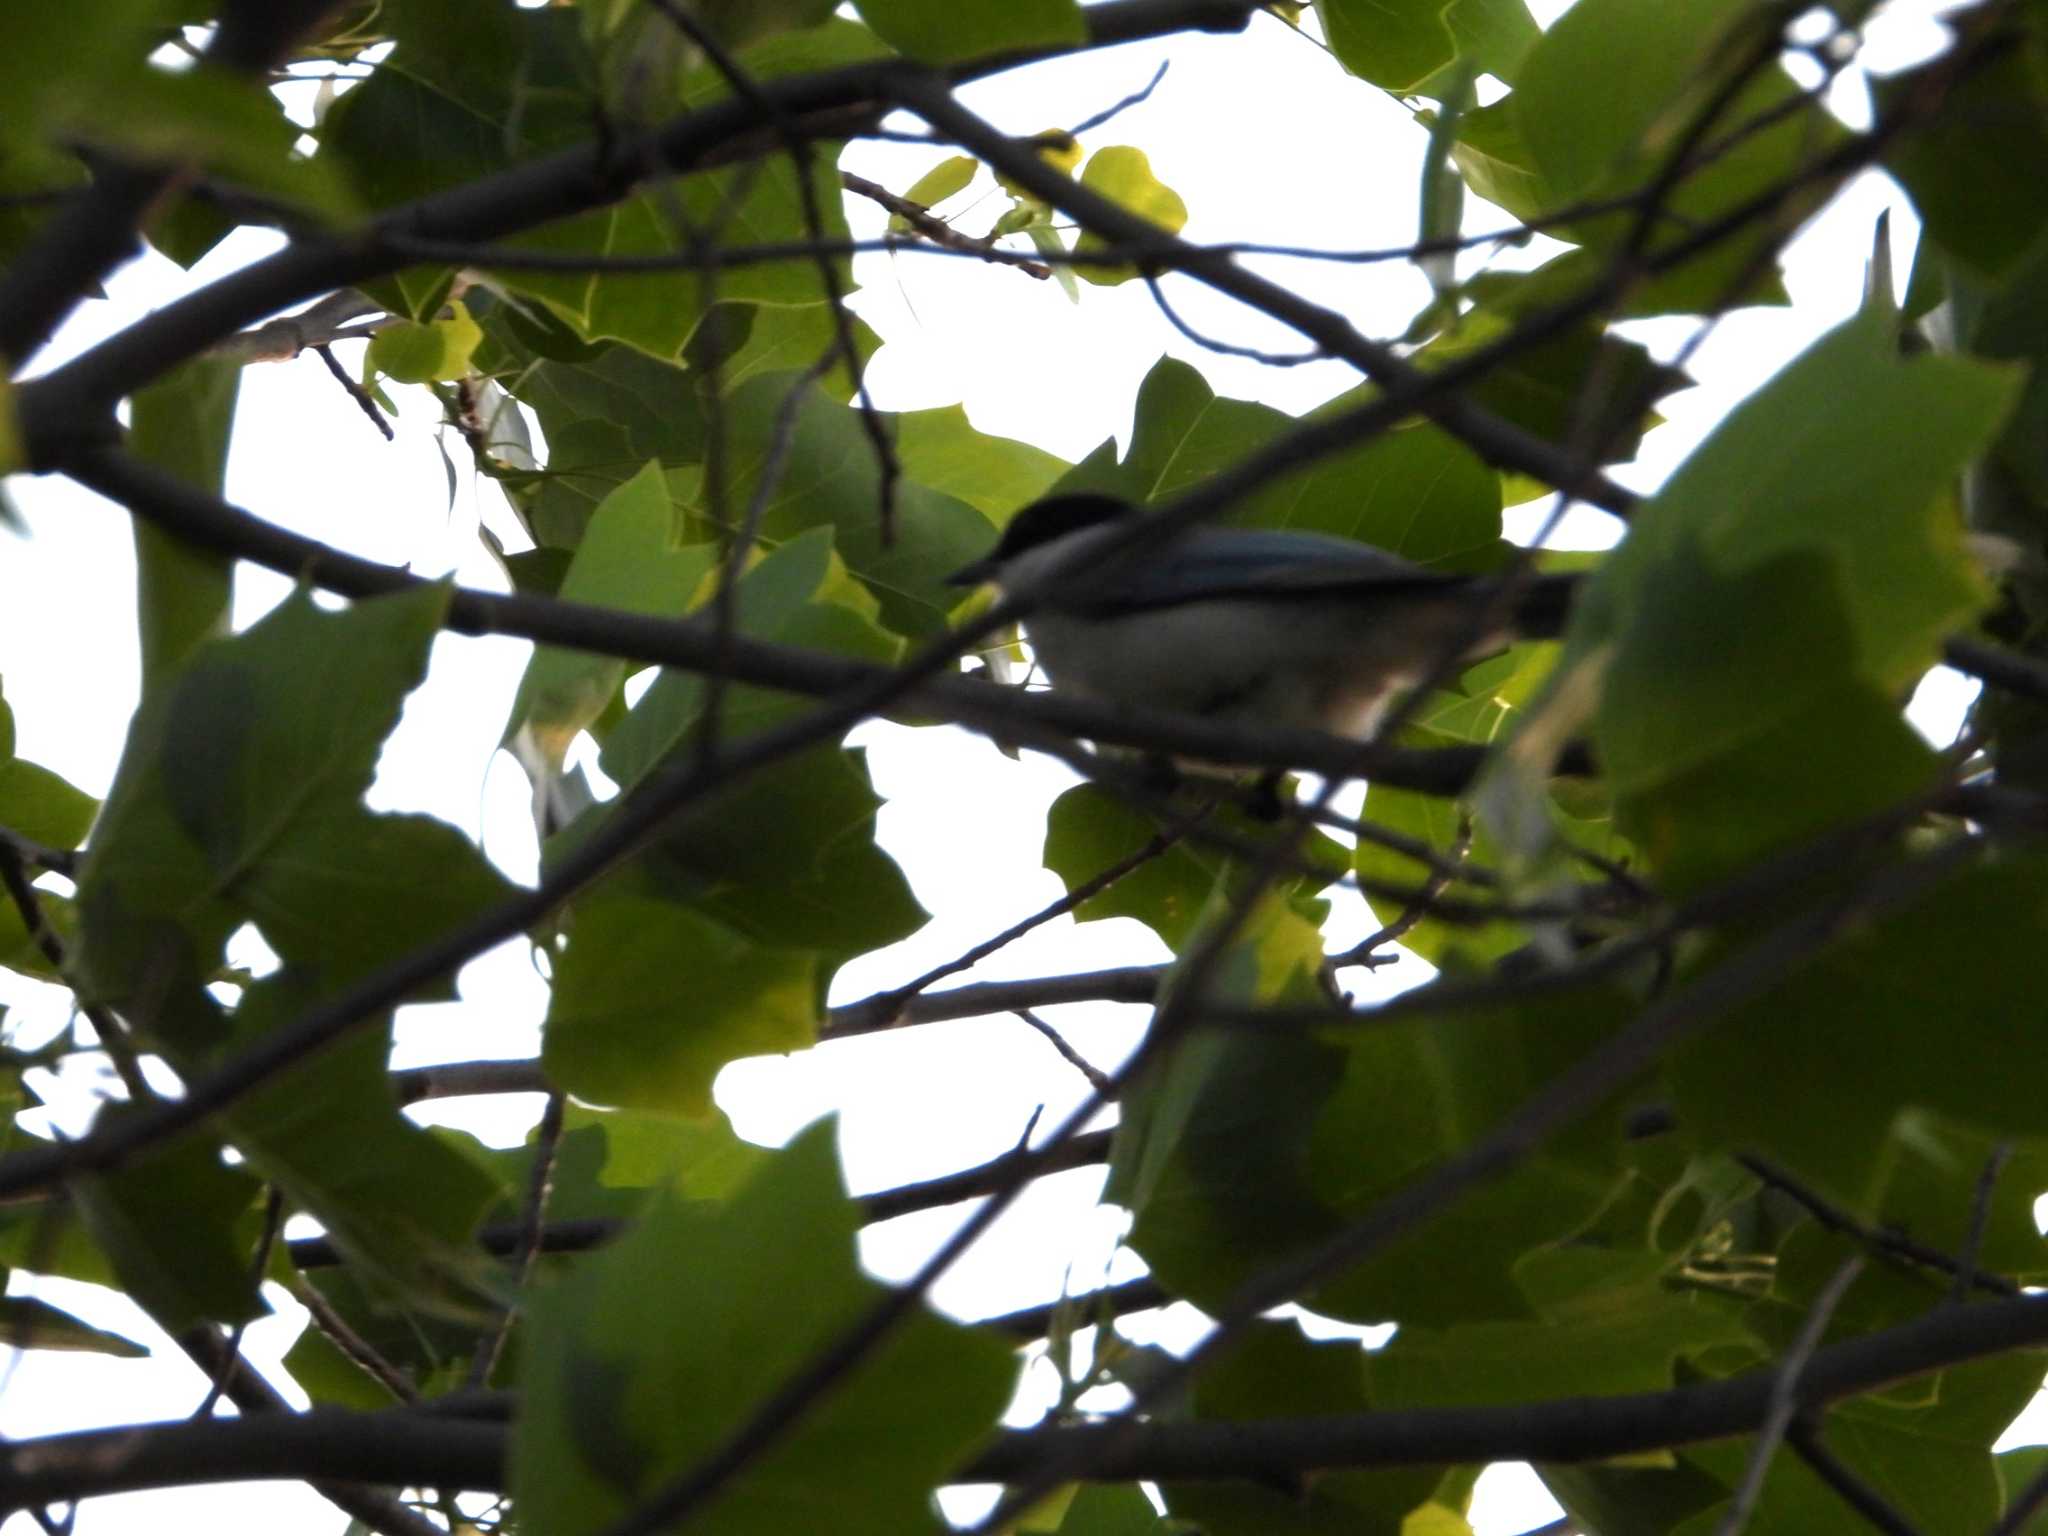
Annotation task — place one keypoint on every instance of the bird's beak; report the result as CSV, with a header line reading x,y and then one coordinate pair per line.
x,y
974,573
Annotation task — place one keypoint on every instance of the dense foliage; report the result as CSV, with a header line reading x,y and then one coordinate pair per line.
x,y
1702,1176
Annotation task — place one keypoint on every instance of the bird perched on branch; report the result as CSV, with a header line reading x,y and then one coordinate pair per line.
x,y
1247,625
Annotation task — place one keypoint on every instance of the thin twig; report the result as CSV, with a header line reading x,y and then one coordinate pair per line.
x,y
1068,1054
1890,1243
892,1003
1980,1221
943,236
357,393
1785,1401
257,1400
273,1220
352,1344
1363,952
725,599
112,1035
547,1140
1118,108
1805,1439
1227,348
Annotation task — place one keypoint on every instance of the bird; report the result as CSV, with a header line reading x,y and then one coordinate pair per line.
x,y
1253,626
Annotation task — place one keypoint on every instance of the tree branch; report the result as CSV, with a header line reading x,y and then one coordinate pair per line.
x,y
1118,984
96,233
207,521
423,1447
942,235
506,1239
68,406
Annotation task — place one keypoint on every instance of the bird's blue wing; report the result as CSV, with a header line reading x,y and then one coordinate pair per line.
x,y
1211,563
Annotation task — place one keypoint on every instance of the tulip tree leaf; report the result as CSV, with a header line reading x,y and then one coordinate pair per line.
x,y
651,999
182,423
621,1353
1123,174
1272,1371
626,559
940,32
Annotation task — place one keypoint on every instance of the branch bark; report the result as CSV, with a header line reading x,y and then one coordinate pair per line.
x,y
412,1447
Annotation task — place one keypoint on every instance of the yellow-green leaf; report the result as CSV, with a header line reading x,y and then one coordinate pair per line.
x,y
1124,174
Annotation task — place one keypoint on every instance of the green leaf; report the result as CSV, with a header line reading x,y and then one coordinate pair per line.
x,y
795,595
627,559
28,1322
1629,1339
429,1350
1706,774
700,1159
1930,1459
790,859
1619,1497
1104,1510
1606,73
651,1000
1395,45
1930,1157
1960,954
739,23
358,889
1415,491
1123,174
1848,453
401,1203
415,353
43,69
182,422
50,1237
1811,534
464,93
19,952
1089,830
1413,1093
255,741
940,32
1583,386
2017,1469
950,176
42,805
642,1361
759,203
1966,163
212,120
169,1221
809,47
1271,1371
1601,102
941,449
1496,35
829,479
238,798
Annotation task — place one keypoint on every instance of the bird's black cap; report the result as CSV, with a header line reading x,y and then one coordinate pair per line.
x,y
1041,523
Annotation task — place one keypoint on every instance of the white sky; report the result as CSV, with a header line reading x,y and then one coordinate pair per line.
x,y
964,821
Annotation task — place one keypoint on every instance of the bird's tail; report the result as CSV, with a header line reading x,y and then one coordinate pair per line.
x,y
1545,605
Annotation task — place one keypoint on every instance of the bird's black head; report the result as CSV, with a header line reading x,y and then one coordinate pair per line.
x,y
1041,523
